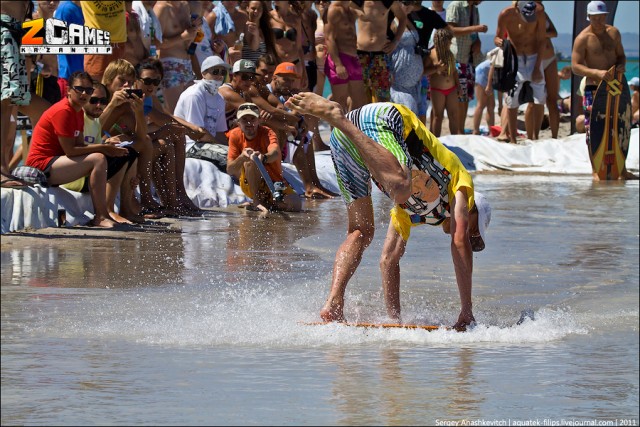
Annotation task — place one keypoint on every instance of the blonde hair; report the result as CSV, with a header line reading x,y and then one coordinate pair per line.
x,y
440,40
119,67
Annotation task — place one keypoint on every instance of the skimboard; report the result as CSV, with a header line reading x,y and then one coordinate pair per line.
x,y
524,316
276,188
610,127
382,325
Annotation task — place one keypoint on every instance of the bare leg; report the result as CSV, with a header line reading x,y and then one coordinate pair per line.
x,y
359,236
452,102
339,94
463,107
145,157
357,94
394,177
66,169
477,115
113,186
393,249
491,107
552,81
513,124
438,102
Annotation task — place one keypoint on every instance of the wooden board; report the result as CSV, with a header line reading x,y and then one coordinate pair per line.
x,y
382,325
610,127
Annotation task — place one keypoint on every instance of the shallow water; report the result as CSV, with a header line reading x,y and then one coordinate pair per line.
x,y
202,327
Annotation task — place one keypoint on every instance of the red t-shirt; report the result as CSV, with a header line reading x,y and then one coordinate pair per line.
x,y
59,120
264,141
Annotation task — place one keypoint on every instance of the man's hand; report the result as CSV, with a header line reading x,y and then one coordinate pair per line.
x,y
482,28
341,71
537,76
114,151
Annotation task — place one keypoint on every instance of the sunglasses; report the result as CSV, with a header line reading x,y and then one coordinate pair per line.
x,y
247,76
96,100
249,107
149,81
217,72
82,89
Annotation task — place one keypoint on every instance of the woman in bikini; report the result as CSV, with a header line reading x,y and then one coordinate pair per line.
x,y
443,81
286,25
258,38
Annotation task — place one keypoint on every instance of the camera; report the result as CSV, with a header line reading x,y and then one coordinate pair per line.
x,y
422,51
278,193
137,92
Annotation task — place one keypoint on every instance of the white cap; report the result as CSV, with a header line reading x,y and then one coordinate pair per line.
x,y
484,216
634,82
213,61
248,108
596,8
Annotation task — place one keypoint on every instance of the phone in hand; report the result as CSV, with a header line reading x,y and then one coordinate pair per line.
x,y
137,92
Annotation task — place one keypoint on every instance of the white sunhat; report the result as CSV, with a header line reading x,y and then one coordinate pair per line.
x,y
484,216
213,61
634,82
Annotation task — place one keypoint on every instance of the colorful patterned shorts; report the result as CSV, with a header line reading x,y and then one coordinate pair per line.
x,y
382,123
15,85
176,72
467,77
376,75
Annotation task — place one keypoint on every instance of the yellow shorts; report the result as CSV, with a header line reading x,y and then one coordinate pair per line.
x,y
264,188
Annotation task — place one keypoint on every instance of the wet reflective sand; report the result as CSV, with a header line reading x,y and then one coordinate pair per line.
x,y
201,326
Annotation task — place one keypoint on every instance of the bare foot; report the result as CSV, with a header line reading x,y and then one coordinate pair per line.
x,y
103,223
319,193
332,312
316,105
120,219
464,320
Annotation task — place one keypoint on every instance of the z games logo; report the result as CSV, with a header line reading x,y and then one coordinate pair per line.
x,y
61,38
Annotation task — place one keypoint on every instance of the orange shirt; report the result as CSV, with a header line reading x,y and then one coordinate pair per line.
x,y
264,141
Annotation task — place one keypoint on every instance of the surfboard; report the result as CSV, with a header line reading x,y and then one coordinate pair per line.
x,y
610,127
383,325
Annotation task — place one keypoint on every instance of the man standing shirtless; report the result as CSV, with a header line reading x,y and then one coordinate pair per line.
x,y
342,65
596,49
527,32
374,48
178,31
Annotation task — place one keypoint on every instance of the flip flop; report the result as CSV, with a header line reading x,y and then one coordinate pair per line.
x,y
9,179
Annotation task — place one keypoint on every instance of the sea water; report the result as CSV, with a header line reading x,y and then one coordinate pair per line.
x,y
203,326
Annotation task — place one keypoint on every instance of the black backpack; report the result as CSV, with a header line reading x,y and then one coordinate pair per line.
x,y
504,79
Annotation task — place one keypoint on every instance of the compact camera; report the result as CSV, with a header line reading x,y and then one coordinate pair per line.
x,y
422,51
278,193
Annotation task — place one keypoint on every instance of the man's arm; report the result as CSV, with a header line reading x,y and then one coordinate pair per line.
x,y
578,60
621,58
333,15
541,39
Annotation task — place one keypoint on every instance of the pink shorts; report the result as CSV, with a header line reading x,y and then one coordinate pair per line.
x,y
352,65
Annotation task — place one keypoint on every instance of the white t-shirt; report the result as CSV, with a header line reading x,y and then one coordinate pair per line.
x,y
146,19
196,105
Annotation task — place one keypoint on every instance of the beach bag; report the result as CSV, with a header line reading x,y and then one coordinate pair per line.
x,y
211,152
504,79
